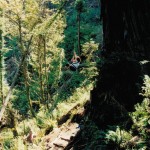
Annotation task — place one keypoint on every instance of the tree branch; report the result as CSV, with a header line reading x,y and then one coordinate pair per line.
x,y
14,80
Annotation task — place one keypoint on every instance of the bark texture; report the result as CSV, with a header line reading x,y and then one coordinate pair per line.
x,y
126,42
126,27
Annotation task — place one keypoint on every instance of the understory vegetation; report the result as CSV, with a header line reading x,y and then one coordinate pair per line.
x,y
38,39
136,137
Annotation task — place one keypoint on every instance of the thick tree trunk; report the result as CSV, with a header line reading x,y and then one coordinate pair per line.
x,y
126,27
126,41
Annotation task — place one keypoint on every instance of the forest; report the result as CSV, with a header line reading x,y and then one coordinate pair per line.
x,y
74,75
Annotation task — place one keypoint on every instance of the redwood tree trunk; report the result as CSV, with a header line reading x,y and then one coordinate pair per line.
x,y
126,27
126,42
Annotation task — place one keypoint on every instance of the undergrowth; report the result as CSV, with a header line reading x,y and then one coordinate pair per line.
x,y
117,137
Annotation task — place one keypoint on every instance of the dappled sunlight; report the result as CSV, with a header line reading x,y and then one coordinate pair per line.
x,y
74,75
38,39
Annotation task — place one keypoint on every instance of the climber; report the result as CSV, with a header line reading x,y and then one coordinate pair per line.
x,y
75,62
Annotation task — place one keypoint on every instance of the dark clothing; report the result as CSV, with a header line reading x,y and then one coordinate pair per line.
x,y
72,68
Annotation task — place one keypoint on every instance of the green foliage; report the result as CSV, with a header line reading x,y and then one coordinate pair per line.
x,y
7,144
90,28
140,127
141,123
70,81
91,136
141,116
44,120
61,90
146,87
13,49
118,137
90,50
20,102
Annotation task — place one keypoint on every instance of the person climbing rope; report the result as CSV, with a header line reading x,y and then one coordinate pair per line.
x,y
75,62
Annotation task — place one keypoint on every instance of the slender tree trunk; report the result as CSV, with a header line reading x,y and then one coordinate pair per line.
x,y
40,58
1,79
46,77
14,80
25,71
79,43
1,59
1,73
27,86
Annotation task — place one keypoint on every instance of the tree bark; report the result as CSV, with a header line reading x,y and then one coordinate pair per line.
x,y
1,73
41,59
25,69
46,75
126,27
126,42
79,45
1,58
